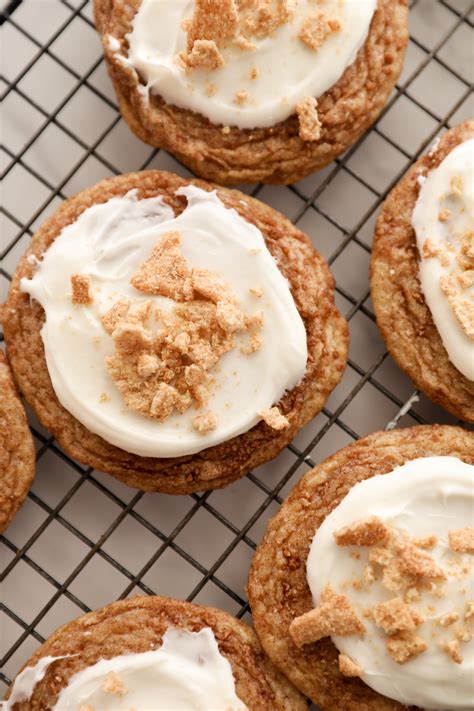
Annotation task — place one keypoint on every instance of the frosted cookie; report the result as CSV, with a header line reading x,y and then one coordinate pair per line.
x,y
180,335
422,273
152,653
17,451
252,90
362,590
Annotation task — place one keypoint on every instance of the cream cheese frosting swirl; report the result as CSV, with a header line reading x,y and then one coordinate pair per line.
x,y
106,245
187,673
443,220
426,499
260,79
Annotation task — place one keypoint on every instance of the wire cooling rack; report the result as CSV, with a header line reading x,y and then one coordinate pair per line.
x,y
82,539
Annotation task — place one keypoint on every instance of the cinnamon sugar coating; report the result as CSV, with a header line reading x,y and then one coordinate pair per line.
x,y
276,154
312,289
402,313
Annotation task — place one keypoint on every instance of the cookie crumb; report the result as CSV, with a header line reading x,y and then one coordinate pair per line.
x,y
81,284
348,667
240,97
165,272
333,616
427,543
453,649
214,20
310,125
205,423
113,685
418,563
203,55
448,619
404,646
316,29
396,616
461,540
363,533
274,419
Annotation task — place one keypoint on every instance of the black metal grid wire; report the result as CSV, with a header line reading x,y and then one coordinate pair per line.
x,y
461,13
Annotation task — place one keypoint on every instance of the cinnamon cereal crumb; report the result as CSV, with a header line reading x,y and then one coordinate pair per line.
x,y
466,279
426,543
211,89
444,215
428,249
165,272
81,289
163,402
205,423
462,308
316,29
453,648
253,73
418,563
448,619
104,397
203,55
274,419
148,364
310,125
469,610
256,291
244,44
240,97
461,540
348,667
363,533
404,646
114,315
396,616
113,684
215,20
333,616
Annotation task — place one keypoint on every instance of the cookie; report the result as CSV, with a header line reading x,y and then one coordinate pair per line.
x,y
403,314
207,652
278,588
17,451
212,424
206,87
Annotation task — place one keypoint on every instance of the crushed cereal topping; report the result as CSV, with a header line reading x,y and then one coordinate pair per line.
x,y
205,423
461,540
81,289
113,684
215,20
333,616
316,29
427,543
448,619
404,646
348,667
310,125
203,55
453,648
364,533
274,419
161,361
396,616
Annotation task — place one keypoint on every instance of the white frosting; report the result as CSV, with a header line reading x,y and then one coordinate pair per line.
x,y
424,497
187,673
288,70
108,242
436,195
